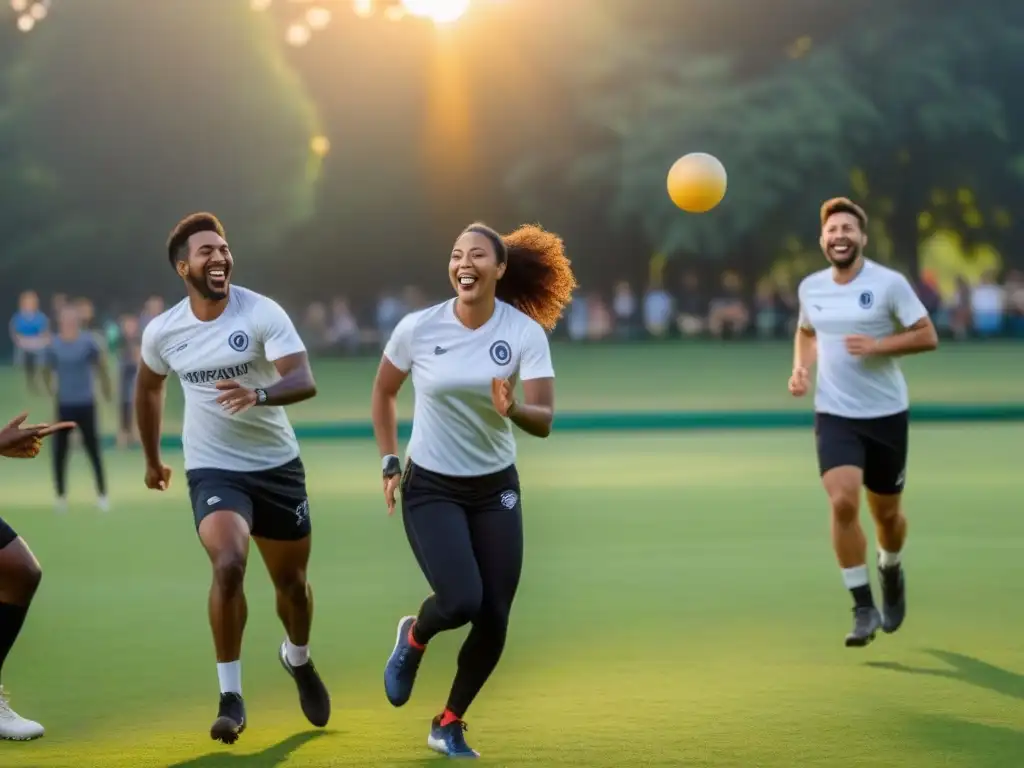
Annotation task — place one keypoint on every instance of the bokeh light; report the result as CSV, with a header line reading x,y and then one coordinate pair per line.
x,y
318,17
298,35
26,23
19,6
438,11
320,145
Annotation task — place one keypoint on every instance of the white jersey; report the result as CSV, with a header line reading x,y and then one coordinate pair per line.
x,y
878,302
241,344
455,428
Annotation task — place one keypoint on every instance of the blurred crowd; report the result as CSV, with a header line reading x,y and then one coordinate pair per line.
x,y
686,307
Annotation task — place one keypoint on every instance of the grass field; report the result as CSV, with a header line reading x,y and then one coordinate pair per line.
x,y
680,606
650,377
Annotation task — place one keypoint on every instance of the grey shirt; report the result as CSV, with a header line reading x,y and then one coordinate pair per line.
x,y
73,362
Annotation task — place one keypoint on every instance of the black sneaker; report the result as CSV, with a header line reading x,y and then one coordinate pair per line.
x,y
230,720
450,739
866,622
404,662
894,597
313,696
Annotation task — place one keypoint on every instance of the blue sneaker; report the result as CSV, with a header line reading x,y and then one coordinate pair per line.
x,y
450,739
400,672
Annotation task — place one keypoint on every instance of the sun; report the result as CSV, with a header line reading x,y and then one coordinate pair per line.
x,y
439,11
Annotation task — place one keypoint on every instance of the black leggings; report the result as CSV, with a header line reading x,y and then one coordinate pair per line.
x,y
85,417
467,535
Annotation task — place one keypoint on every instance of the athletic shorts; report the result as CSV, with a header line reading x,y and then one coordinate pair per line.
x,y
877,446
272,501
7,534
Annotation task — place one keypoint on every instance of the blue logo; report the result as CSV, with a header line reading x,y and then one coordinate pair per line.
x,y
867,298
501,352
239,341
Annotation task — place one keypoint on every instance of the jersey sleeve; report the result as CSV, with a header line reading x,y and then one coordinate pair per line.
x,y
151,350
803,321
399,349
277,331
535,362
905,304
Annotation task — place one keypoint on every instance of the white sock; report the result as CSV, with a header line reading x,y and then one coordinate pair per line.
x,y
230,676
855,577
888,559
297,655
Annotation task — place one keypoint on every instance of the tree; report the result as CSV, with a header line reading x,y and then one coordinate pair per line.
x,y
900,85
121,133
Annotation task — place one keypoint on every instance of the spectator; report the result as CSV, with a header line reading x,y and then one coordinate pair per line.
x,y
624,309
154,306
577,318
30,334
988,301
693,309
658,308
1015,303
768,316
728,314
599,319
344,330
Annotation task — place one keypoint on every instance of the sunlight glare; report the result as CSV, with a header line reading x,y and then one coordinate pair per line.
x,y
439,11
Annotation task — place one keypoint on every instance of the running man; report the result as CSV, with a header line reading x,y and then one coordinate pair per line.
x,y
856,318
460,494
240,361
20,573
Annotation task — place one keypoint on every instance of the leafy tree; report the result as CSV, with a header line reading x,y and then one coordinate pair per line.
x,y
119,135
906,96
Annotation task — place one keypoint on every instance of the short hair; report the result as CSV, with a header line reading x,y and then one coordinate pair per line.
x,y
177,243
538,279
844,205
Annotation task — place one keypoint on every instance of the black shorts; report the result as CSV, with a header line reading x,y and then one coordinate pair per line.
x,y
7,534
877,446
272,501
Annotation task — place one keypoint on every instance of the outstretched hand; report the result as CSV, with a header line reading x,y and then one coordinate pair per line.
x,y
24,441
235,398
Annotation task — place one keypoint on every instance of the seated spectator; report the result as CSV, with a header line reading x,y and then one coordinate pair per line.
x,y
988,301
692,307
728,314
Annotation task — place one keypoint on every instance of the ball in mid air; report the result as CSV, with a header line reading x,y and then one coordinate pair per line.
x,y
697,182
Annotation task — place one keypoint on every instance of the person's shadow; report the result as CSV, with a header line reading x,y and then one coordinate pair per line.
x,y
271,757
983,745
964,669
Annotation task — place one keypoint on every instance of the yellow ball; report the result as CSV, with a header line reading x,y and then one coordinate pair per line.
x,y
697,182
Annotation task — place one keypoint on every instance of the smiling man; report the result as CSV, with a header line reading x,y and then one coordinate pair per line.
x,y
239,360
856,318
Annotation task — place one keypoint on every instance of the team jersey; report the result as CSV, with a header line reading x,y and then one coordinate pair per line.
x,y
878,302
455,428
242,344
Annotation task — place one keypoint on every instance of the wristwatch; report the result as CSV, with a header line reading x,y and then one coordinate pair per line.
x,y
391,465
261,396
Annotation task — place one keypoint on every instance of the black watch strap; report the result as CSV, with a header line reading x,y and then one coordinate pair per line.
x,y
261,396
391,466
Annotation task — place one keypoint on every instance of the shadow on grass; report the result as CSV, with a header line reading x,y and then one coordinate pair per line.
x,y
980,745
964,669
271,757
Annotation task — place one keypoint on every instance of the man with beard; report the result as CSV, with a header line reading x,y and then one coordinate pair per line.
x,y
239,360
856,317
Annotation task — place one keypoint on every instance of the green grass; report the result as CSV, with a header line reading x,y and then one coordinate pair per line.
x,y
680,606
651,377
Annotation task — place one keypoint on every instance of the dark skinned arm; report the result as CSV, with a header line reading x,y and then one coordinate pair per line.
x,y
296,383
536,415
149,411
383,406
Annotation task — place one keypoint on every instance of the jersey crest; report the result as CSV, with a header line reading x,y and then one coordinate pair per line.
x,y
866,300
239,341
501,353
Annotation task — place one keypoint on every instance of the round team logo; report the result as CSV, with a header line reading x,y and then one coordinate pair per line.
x,y
239,341
501,352
867,298
509,499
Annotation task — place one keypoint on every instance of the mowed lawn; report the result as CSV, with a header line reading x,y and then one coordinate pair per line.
x,y
680,606
642,377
